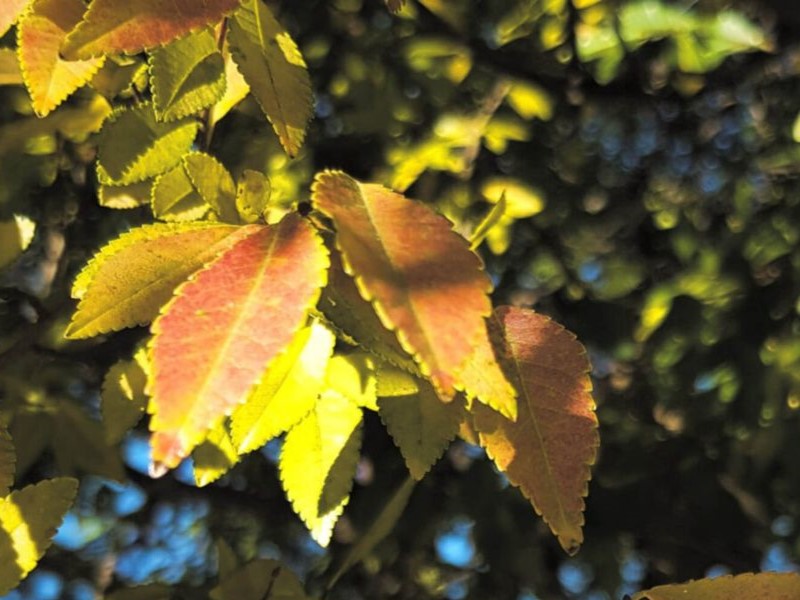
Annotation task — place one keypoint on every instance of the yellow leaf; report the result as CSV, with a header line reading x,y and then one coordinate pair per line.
x,y
421,425
275,70
318,462
214,184
749,586
521,199
123,400
125,196
489,221
28,520
215,456
353,376
530,101
10,73
236,89
15,236
252,196
174,197
287,392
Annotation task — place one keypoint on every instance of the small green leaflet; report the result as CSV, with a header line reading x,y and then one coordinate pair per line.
x,y
122,400
252,196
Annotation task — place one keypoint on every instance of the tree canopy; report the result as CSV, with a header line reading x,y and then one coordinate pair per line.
x,y
424,299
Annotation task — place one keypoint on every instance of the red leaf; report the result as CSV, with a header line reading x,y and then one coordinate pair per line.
x,y
224,326
424,281
548,450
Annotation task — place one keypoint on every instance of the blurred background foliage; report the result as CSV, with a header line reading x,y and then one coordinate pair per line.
x,y
648,153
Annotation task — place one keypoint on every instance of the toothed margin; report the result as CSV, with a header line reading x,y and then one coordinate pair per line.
x,y
43,106
94,48
324,529
190,216
85,280
377,305
219,209
107,193
178,292
177,107
593,446
292,147
126,177
418,474
732,585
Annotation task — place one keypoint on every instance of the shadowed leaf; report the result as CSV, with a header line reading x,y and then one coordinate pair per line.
x,y
548,450
127,196
8,461
214,457
760,586
214,184
123,400
262,579
175,198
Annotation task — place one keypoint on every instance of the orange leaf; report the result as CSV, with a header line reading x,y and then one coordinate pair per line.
x,y
214,340
10,10
548,450
420,275
48,77
112,26
749,586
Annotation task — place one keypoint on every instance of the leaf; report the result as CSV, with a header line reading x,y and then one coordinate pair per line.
x,y
79,445
127,196
214,184
214,340
548,450
116,26
214,457
423,280
287,392
355,318
10,11
489,221
49,78
236,90
130,278
16,234
10,73
252,196
484,378
522,200
262,579
749,586
187,75
318,462
8,461
275,71
379,528
395,6
150,147
352,376
176,199
29,518
226,559
154,591
122,400
421,425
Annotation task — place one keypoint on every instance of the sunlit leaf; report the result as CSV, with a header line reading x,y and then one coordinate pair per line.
x,y
10,11
530,101
421,425
547,452
8,461
214,457
214,184
236,89
772,586
484,379
489,221
115,26
423,280
521,199
287,392
275,70
127,196
80,446
187,75
123,400
353,377
130,278
150,147
262,579
48,77
382,526
28,519
213,341
16,235
252,196
318,462
174,197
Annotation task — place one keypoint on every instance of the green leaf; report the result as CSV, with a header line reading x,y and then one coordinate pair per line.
x,y
127,196
214,457
318,462
226,559
10,73
28,520
262,579
8,461
187,75
151,147
236,89
380,527
117,26
16,234
749,586
123,400
287,392
49,78
214,184
176,199
275,70
130,278
421,425
80,446
252,196
489,221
